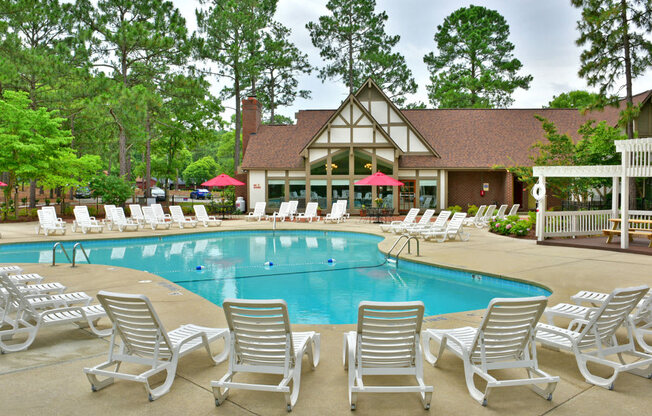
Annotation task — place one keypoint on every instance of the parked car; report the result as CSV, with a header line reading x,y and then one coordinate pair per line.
x,y
200,194
83,192
158,193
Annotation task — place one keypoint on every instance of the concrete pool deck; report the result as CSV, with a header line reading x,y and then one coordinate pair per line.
x,y
48,378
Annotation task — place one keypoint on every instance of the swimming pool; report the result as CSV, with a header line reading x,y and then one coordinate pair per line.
x,y
291,265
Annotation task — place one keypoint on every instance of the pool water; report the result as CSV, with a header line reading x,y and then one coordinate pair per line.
x,y
290,265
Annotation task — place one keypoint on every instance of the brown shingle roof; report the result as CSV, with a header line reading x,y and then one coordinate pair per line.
x,y
464,138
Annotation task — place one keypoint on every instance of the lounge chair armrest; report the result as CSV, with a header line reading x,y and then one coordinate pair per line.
x,y
577,323
191,337
64,309
395,223
554,330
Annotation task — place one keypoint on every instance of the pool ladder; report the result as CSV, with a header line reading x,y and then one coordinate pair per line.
x,y
74,253
408,238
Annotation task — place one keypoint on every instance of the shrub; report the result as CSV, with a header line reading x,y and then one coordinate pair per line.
x,y
47,202
512,225
68,210
472,210
454,209
92,211
187,210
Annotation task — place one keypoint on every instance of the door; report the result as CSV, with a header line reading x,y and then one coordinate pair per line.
x,y
407,198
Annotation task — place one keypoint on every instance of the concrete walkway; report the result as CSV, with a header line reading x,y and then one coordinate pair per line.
x,y
48,378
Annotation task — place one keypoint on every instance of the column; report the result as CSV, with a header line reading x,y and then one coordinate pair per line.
x,y
541,210
443,189
509,188
615,191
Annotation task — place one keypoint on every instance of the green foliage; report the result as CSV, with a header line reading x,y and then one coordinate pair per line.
x,y
454,209
512,225
201,170
579,99
112,189
353,42
474,67
472,210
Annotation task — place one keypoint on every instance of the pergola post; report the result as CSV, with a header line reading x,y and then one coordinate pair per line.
x,y
541,210
624,202
615,192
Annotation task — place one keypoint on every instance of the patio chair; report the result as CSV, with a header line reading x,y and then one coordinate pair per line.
x,y
423,222
386,342
146,342
293,209
262,342
514,210
477,219
48,225
504,340
22,316
640,320
310,213
203,217
13,269
336,214
454,229
409,219
84,222
438,225
488,215
153,221
282,213
137,214
258,212
108,216
23,279
500,215
592,339
343,207
52,288
178,218
158,211
123,223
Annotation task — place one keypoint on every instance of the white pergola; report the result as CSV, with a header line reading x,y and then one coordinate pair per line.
x,y
636,163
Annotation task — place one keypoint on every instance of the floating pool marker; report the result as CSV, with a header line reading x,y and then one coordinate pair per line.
x,y
269,263
331,260
199,268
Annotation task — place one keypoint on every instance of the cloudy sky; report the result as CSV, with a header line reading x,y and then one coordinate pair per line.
x,y
543,33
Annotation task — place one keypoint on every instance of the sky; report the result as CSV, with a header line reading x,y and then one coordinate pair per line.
x,y
543,33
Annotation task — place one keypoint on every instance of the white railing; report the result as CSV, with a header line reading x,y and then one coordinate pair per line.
x,y
640,215
575,223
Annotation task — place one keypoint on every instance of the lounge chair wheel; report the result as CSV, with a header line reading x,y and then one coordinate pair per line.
x,y
352,407
289,408
611,386
484,402
427,407
549,397
149,397
217,402
93,388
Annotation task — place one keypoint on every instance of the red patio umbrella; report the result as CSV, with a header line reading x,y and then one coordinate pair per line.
x,y
379,179
223,180
2,183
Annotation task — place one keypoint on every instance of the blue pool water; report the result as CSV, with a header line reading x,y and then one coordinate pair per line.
x,y
317,292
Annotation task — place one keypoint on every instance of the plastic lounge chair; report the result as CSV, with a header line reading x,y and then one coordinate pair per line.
x,y
22,317
409,219
640,320
500,215
48,225
438,225
386,342
51,213
336,214
158,211
424,222
454,229
258,212
488,215
179,219
31,289
293,209
592,339
123,223
262,342
282,213
203,217
108,216
13,269
343,204
310,213
504,340
477,219
514,210
137,214
84,222
146,342
153,221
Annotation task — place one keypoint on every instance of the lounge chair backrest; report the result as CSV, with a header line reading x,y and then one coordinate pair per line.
x,y
148,214
81,214
441,219
388,333
200,212
480,212
457,221
50,212
177,213
136,323
158,210
136,211
260,330
293,205
644,309
108,212
426,202
343,204
489,213
259,208
426,217
507,327
501,212
118,215
604,322
411,216
284,209
311,209
336,210
44,217
514,209
16,304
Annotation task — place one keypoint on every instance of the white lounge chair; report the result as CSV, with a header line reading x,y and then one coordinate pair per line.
x,y
258,212
408,220
146,342
13,269
454,229
477,219
310,213
386,343
48,225
108,216
121,222
294,205
488,215
640,320
21,316
160,214
438,225
262,342
282,213
336,214
153,221
137,214
423,223
51,288
592,339
500,215
178,218
84,222
504,340
514,210
203,217
343,208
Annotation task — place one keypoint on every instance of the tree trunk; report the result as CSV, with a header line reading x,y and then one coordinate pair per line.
x,y
271,99
628,86
350,65
238,125
32,193
148,158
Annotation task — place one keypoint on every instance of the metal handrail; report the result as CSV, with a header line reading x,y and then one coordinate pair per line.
x,y
406,243
54,252
74,251
395,243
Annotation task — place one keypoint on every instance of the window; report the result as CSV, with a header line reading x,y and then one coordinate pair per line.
x,y
385,167
318,192
318,168
275,192
362,163
298,192
340,190
362,196
340,163
428,193
387,195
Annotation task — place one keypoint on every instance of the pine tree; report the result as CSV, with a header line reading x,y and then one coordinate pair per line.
x,y
354,43
474,67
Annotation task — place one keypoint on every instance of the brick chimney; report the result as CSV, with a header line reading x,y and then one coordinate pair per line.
x,y
251,117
